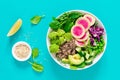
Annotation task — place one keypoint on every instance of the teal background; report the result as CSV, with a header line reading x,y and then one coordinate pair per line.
x,y
108,11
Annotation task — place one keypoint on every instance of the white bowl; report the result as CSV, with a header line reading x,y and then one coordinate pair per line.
x,y
24,59
98,57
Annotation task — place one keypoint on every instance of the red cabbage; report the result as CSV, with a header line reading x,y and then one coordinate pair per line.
x,y
95,32
92,41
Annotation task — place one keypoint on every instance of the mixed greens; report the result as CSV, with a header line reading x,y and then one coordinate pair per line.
x,y
65,21
76,39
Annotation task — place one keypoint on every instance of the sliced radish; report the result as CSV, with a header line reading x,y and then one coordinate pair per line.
x,y
82,43
90,18
84,22
85,37
77,31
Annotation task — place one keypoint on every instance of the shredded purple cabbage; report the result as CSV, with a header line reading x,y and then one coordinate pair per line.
x,y
95,32
92,41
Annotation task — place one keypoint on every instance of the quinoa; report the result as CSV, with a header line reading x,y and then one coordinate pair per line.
x,y
67,48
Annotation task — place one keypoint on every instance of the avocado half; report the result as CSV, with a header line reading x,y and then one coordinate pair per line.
x,y
75,59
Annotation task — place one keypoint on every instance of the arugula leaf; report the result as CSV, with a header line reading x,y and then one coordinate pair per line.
x,y
37,67
35,52
36,19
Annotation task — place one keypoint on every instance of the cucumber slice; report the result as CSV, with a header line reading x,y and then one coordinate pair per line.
x,y
89,61
73,67
93,54
81,53
78,49
82,65
87,56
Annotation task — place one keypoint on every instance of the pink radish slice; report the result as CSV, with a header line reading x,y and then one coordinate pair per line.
x,y
77,31
84,22
85,37
82,43
90,18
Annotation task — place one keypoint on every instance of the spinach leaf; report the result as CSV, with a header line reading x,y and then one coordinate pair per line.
x,y
67,27
36,19
35,52
55,24
37,67
75,15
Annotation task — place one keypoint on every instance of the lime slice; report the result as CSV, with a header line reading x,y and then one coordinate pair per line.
x,y
15,27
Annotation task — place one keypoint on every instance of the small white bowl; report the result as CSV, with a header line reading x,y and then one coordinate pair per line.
x,y
98,57
17,58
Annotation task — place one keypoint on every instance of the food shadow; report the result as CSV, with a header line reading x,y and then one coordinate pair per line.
x,y
66,74
15,37
22,64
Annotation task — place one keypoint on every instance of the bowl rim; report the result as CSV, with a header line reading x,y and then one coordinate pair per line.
x,y
96,59
13,48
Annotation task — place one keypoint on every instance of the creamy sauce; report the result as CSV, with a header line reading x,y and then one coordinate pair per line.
x,y
22,51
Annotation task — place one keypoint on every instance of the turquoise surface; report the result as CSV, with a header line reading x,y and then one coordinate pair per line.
x,y
108,11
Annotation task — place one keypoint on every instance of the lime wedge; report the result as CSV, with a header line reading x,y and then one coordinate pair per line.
x,y
15,27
